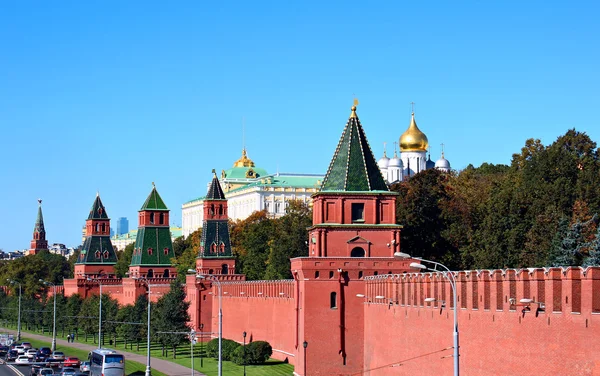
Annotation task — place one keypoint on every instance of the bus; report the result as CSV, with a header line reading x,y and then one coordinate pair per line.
x,y
106,362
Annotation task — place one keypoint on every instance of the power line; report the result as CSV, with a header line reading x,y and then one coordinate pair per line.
x,y
399,363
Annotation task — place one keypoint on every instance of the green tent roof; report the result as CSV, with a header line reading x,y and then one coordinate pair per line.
x,y
98,211
353,166
39,221
154,201
215,192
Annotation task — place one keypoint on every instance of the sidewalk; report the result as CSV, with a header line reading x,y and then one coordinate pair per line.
x,y
161,365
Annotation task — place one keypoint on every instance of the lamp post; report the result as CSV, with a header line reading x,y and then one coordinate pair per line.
x,y
19,317
145,282
100,311
450,277
201,346
305,345
244,334
192,343
54,319
216,280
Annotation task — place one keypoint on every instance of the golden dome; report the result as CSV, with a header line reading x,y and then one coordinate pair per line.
x,y
244,161
413,139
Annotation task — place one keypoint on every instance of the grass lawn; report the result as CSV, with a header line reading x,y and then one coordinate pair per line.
x,y
131,368
209,366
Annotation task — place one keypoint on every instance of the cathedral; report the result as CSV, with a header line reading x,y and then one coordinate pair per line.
x,y
413,156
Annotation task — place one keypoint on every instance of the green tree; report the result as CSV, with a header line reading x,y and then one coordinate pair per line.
x,y
593,259
171,315
124,260
250,240
566,245
289,240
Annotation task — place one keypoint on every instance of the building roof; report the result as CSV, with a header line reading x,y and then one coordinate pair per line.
x,y
280,180
97,250
154,201
39,220
353,166
214,191
98,211
153,246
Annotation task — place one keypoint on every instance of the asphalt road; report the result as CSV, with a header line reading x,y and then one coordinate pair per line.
x,y
6,370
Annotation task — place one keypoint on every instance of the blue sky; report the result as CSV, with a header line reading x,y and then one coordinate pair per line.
x,y
111,96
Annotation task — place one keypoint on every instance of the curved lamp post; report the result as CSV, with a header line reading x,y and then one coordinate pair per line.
x,y
54,320
148,369
450,277
12,282
213,279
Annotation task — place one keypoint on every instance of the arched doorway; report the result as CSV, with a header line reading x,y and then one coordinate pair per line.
x,y
357,252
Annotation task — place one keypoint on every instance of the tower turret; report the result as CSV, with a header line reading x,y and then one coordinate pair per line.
x,y
153,246
39,241
97,256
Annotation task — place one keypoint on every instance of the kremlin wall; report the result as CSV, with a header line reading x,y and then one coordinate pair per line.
x,y
351,307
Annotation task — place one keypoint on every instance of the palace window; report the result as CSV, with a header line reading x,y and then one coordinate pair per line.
x,y
357,252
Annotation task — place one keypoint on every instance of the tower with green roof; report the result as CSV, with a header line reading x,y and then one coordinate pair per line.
x,y
153,246
354,213
39,242
97,255
215,255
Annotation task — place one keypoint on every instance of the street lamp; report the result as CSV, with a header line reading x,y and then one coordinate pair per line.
x,y
54,320
145,282
244,334
100,311
214,279
19,319
201,345
450,277
305,345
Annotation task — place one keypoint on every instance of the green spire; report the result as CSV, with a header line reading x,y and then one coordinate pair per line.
x,y
98,211
154,201
353,167
39,221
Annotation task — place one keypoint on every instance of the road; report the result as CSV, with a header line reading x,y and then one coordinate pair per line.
x,y
11,370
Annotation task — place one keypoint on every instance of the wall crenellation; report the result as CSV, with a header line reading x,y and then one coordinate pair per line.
x,y
553,290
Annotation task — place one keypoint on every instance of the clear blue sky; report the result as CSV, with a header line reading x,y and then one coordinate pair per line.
x,y
110,96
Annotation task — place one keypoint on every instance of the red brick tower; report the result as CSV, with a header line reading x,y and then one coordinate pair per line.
x,y
39,241
97,256
354,235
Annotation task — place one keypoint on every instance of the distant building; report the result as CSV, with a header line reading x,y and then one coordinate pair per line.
x,y
249,189
60,249
122,226
38,243
122,241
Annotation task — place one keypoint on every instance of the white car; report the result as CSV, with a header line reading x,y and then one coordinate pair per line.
x,y
58,355
22,359
20,349
31,353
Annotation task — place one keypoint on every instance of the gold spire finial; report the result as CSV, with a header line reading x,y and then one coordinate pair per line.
x,y
353,114
214,172
153,185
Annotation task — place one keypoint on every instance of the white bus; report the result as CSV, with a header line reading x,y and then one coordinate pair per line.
x,y
106,362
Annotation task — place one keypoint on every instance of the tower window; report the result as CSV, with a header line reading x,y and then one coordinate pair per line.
x,y
358,212
152,218
161,219
357,252
150,251
333,300
166,251
98,254
106,254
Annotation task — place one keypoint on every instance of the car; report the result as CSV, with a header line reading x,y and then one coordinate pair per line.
x,y
42,354
46,371
53,363
58,355
26,345
71,361
31,353
35,370
68,371
85,366
11,355
22,359
3,350
20,349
